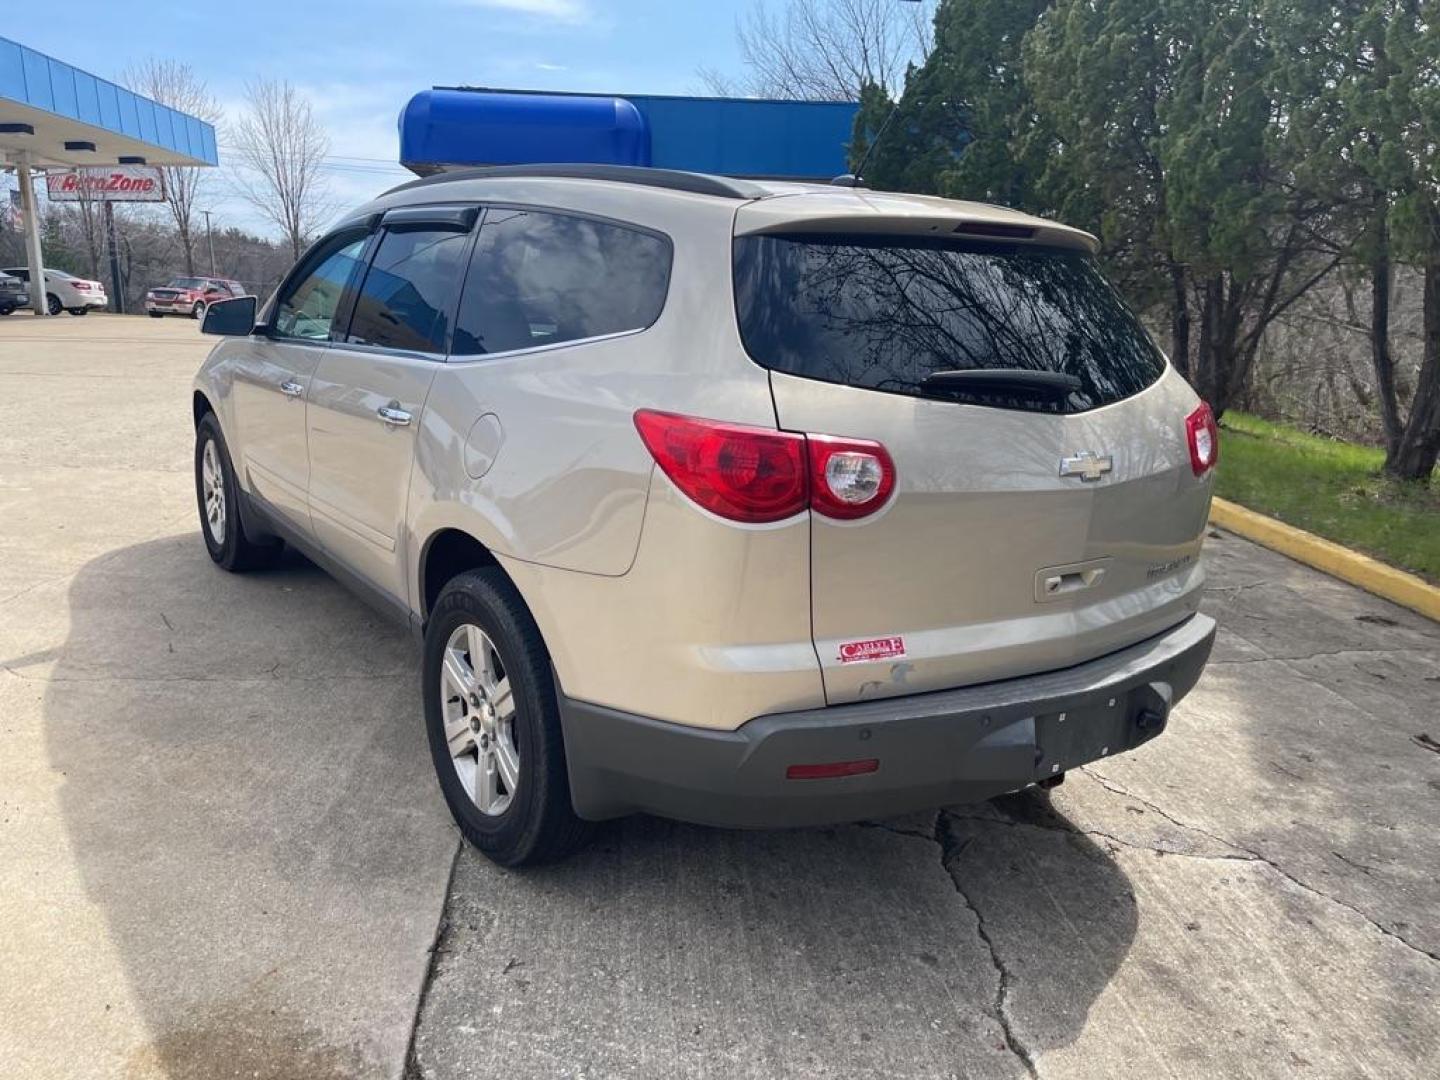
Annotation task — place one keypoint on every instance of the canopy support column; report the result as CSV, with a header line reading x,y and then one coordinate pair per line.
x,y
31,209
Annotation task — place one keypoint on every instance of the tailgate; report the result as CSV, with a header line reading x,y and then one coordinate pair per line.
x,y
1045,509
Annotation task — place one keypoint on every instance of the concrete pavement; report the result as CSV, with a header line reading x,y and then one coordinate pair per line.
x,y
222,852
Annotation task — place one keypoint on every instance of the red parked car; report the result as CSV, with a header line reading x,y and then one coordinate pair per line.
x,y
190,296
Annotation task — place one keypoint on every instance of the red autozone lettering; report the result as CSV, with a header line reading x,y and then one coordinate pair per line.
x,y
124,184
885,648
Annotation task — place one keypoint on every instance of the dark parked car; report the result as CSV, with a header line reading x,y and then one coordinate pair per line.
x,y
13,293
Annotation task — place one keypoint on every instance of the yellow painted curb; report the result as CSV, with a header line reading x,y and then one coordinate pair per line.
x,y
1337,561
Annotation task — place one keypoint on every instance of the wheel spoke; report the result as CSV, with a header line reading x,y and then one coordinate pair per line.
x,y
458,674
508,763
503,699
459,735
487,790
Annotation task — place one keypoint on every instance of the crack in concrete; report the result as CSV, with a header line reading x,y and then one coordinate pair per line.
x,y
1268,659
366,676
951,847
1115,789
411,1068
1001,1008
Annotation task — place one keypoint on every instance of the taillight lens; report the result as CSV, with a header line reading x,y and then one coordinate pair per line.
x,y
849,478
1203,435
758,475
741,473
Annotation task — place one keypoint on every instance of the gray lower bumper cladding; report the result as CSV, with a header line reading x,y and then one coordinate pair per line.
x,y
907,753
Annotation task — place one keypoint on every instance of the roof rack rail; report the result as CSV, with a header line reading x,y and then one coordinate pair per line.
x,y
670,179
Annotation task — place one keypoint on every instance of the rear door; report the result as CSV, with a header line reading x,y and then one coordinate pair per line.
x,y
368,393
1045,509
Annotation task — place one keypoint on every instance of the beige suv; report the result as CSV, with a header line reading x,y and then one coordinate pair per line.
x,y
749,504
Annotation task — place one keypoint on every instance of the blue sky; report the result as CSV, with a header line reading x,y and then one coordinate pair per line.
x,y
360,60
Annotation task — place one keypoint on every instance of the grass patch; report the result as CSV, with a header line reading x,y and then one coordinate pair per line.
x,y
1330,488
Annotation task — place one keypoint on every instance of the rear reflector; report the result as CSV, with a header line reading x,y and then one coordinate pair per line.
x,y
832,769
1203,435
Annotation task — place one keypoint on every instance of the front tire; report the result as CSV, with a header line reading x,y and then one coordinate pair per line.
x,y
156,314
52,304
219,500
198,311
493,720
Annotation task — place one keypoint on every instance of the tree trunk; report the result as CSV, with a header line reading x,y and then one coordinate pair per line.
x,y
187,245
1179,320
1380,357
1414,458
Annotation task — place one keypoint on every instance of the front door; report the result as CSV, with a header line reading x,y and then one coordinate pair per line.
x,y
274,379
367,396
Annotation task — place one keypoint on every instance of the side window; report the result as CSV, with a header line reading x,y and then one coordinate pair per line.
x,y
542,279
405,301
308,307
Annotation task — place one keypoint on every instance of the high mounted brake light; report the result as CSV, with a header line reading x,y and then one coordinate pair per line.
x,y
756,475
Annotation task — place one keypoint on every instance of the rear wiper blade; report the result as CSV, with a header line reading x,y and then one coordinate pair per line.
x,y
1016,380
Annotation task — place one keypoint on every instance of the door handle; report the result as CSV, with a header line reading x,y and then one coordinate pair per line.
x,y
291,388
391,415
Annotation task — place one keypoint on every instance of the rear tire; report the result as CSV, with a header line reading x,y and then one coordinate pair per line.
x,y
78,311
219,500
156,314
533,821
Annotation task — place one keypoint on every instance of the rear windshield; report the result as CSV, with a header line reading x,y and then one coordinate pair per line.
x,y
886,313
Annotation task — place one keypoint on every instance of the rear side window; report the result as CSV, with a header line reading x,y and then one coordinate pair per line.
x,y
886,313
409,289
539,278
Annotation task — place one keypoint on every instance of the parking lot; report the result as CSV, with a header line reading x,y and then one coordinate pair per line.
x,y
223,854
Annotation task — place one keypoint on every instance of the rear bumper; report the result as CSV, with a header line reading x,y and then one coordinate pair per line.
x,y
934,749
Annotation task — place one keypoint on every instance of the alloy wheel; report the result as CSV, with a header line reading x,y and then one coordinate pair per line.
x,y
212,483
478,707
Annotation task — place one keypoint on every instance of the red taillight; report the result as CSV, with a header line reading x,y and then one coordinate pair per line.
x,y
831,769
741,473
757,475
1203,435
849,478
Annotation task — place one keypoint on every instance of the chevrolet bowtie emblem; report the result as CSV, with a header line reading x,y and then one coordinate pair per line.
x,y
1088,466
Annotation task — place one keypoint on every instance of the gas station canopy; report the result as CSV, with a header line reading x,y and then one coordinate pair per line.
x,y
53,115
59,115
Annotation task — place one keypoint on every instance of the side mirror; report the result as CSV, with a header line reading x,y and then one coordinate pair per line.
x,y
230,318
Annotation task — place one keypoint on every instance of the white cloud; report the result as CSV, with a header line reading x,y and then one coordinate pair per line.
x,y
550,67
572,11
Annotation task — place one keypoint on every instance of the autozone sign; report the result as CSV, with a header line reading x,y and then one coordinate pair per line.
x,y
111,183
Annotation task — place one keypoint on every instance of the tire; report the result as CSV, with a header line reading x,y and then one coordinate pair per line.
x,y
7,311
78,311
198,311
224,534
533,822
156,314
52,304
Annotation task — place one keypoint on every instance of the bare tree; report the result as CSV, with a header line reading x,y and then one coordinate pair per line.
x,y
176,85
827,50
281,146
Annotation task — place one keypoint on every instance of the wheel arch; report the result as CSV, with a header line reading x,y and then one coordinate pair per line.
x,y
445,554
200,405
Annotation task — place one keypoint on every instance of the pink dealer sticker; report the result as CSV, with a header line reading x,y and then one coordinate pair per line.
x,y
885,648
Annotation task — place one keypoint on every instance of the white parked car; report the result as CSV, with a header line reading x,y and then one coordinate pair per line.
x,y
66,292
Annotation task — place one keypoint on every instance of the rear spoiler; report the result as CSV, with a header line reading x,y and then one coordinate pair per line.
x,y
880,213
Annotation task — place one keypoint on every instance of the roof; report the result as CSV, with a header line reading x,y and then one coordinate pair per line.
x,y
103,123
765,205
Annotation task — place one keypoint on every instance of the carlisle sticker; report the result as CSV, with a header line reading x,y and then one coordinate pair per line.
x,y
885,648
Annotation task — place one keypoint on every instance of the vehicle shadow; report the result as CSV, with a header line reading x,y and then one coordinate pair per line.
x,y
248,801
248,797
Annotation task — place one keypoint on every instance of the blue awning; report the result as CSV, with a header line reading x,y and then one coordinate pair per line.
x,y
46,103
